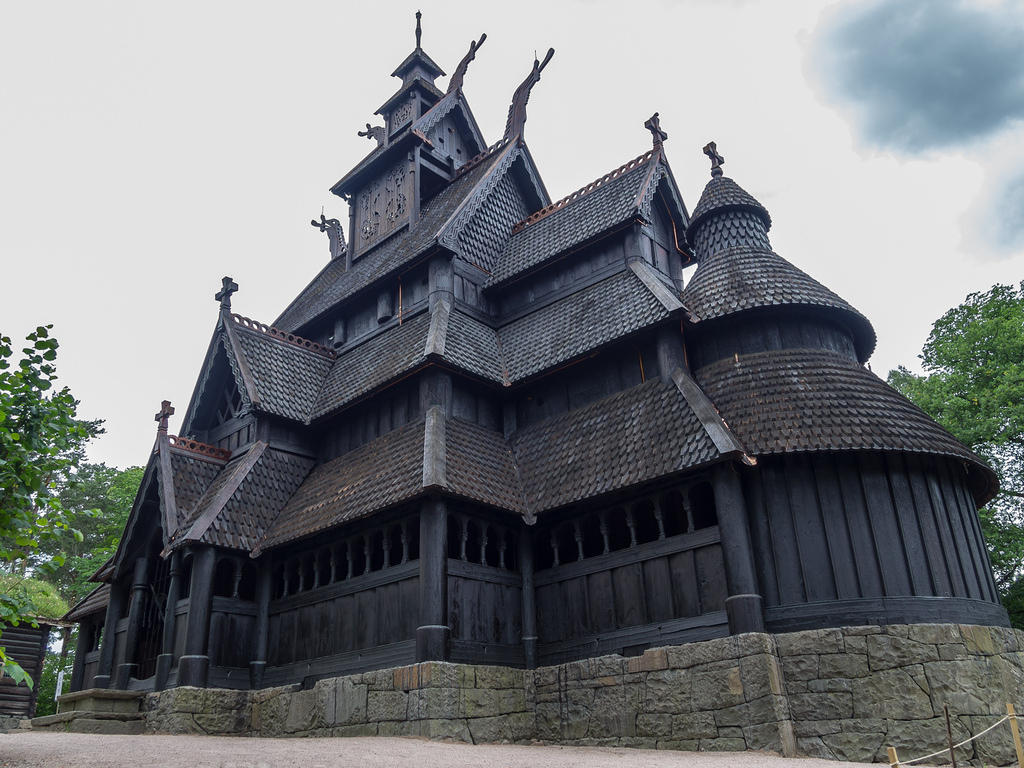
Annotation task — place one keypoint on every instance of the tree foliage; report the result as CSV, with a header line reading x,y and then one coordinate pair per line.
x,y
41,441
973,385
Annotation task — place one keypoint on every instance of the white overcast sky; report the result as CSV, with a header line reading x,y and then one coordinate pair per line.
x,y
147,149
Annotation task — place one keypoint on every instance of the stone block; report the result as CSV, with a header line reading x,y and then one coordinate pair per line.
x,y
498,677
799,643
696,725
228,722
889,651
303,713
856,644
613,712
952,651
842,665
435,703
269,716
360,729
638,742
174,722
386,705
936,634
607,666
855,747
964,685
770,737
682,745
804,728
753,643
925,736
107,727
654,725
185,699
693,654
892,693
446,729
399,728
716,689
654,660
760,676
545,676
821,706
978,639
549,721
813,746
671,691
800,667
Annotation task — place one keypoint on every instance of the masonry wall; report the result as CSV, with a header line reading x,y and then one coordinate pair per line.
x,y
837,693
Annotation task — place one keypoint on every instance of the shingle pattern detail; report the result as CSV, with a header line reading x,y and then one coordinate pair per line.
x,y
615,307
480,466
382,358
277,333
373,477
94,602
481,239
646,197
474,203
738,228
723,194
579,220
473,347
426,122
335,283
741,279
287,377
212,452
642,433
261,495
192,476
814,400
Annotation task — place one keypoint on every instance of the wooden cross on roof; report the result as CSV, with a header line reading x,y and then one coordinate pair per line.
x,y
228,287
653,125
716,159
165,412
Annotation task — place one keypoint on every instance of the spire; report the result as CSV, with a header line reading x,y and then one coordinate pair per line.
x,y
417,65
517,110
460,71
419,29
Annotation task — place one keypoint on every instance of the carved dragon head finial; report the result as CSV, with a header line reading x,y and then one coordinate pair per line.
x,y
460,71
711,150
517,110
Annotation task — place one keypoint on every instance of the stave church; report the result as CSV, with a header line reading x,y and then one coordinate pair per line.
x,y
502,429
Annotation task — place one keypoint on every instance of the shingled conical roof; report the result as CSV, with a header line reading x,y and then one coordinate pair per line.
x,y
738,270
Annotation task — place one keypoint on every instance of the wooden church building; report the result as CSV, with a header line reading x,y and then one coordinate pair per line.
x,y
500,429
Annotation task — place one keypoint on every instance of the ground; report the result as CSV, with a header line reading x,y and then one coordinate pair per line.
x,y
59,750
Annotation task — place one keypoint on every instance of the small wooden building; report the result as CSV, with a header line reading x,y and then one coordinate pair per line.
x,y
500,429
26,645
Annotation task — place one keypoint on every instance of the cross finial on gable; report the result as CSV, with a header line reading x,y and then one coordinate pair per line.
x,y
653,125
228,287
716,159
165,412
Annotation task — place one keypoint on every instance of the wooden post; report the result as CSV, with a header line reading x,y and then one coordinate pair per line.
x,y
82,647
165,660
194,665
259,652
109,638
743,606
1015,730
529,599
126,670
949,735
433,635
893,758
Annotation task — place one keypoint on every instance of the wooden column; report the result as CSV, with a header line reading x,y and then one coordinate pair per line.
x,y
529,598
744,605
127,669
82,647
433,635
194,665
670,352
165,660
118,595
259,653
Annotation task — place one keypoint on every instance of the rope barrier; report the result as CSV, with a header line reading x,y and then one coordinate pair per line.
x,y
894,762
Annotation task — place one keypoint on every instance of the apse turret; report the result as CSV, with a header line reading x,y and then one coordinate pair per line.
x,y
755,299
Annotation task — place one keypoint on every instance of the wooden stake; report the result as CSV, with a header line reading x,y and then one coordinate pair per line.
x,y
949,735
893,759
1015,729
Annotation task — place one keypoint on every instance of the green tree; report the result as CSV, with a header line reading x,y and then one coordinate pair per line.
x,y
97,500
973,385
41,441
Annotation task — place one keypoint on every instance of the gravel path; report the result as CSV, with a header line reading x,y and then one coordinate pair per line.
x,y
77,750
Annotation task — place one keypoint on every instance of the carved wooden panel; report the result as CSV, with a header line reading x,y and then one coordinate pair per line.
x,y
382,206
401,115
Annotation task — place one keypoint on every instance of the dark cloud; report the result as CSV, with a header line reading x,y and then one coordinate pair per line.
x,y
923,74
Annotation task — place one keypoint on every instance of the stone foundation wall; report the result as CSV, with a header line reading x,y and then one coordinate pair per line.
x,y
838,693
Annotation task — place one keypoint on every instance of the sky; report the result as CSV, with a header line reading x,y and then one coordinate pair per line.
x,y
148,149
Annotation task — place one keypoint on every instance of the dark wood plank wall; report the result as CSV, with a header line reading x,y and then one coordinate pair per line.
x,y
485,613
866,527
26,645
232,624
769,330
632,597
362,612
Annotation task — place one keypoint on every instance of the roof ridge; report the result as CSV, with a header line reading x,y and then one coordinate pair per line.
x,y
205,450
288,338
582,191
474,161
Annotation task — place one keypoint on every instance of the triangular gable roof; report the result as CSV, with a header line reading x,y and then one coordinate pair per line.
x,y
614,200
453,102
399,252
